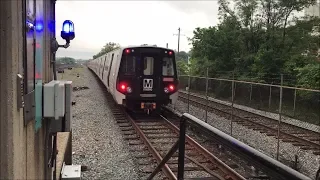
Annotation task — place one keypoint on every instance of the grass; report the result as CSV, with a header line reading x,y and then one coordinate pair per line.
x,y
71,75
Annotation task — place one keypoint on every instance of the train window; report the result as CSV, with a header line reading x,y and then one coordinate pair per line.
x,y
148,65
167,68
128,65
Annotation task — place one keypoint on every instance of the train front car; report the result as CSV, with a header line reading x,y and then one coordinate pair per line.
x,y
148,78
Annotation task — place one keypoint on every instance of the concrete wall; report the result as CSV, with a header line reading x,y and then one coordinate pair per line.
x,y
22,150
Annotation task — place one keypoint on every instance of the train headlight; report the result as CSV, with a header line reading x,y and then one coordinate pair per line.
x,y
129,90
166,90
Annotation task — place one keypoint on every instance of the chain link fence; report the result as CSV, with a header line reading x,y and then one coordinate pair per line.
x,y
293,105
298,103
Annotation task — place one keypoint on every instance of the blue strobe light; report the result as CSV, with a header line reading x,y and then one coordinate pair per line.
x,y
67,32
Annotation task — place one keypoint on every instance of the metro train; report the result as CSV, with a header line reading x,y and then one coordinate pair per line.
x,y
140,78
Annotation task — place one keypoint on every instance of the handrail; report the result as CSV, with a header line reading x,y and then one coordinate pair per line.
x,y
278,169
263,159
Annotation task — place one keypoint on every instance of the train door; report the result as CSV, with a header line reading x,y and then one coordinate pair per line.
x,y
100,67
149,74
109,72
104,65
98,71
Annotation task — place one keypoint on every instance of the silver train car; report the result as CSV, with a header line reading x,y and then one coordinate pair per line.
x,y
139,77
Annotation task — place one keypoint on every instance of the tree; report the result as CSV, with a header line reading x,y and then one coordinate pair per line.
x,y
257,39
309,76
182,67
110,46
182,55
66,60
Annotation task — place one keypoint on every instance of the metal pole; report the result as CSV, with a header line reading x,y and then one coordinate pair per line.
x,y
270,97
279,122
167,45
250,93
294,102
165,159
207,103
232,98
179,40
188,92
182,139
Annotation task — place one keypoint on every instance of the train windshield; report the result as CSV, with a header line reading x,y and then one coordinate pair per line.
x,y
128,65
167,67
147,62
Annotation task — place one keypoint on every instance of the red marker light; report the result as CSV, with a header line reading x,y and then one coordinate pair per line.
x,y
171,87
127,51
170,52
122,86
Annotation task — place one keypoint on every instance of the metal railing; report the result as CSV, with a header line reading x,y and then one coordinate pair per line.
x,y
296,102
288,105
275,168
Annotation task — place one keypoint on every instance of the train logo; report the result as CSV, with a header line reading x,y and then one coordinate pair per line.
x,y
147,84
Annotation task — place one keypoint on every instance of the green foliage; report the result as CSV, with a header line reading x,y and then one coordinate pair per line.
x,y
309,76
182,55
65,60
182,67
182,62
258,39
110,46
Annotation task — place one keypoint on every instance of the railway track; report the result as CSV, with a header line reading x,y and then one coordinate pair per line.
x,y
151,138
297,136
157,136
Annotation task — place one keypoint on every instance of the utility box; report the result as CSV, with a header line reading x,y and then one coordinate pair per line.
x,y
54,99
71,172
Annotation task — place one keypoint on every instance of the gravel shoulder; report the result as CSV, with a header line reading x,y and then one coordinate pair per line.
x,y
97,140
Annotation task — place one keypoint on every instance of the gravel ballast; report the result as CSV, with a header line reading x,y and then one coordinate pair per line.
x,y
96,138
308,163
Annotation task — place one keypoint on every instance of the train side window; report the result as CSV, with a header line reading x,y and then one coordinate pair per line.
x,y
148,65
167,67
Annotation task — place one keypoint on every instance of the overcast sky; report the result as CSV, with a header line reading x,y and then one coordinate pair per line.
x,y
131,23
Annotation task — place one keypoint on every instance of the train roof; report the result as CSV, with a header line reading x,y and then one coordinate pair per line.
x,y
149,46
136,46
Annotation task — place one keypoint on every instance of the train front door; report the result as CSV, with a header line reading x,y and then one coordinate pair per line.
x,y
150,77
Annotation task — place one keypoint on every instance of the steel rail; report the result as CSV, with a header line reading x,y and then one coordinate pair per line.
x,y
154,152
282,134
223,167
